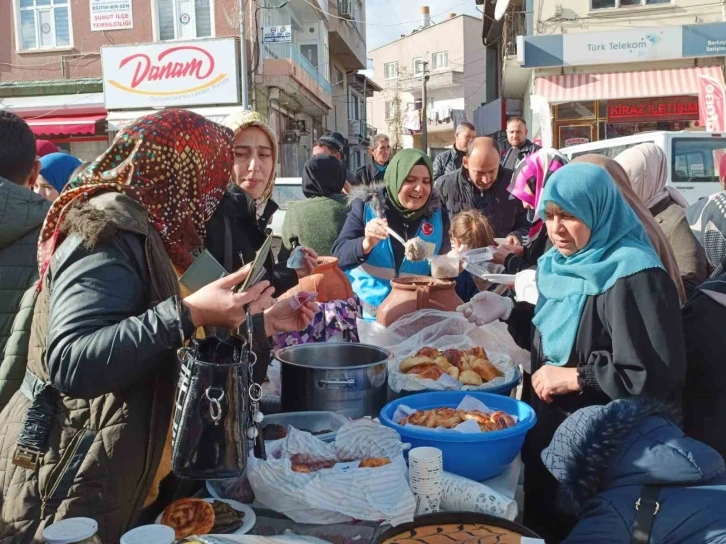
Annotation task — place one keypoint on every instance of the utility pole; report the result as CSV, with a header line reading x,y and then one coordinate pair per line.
x,y
243,57
424,112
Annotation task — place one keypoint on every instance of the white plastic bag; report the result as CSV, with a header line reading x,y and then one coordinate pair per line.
x,y
443,330
334,495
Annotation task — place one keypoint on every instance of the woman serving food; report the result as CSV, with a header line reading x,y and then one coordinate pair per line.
x,y
406,204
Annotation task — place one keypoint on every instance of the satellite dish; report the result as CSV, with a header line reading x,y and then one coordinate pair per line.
x,y
500,9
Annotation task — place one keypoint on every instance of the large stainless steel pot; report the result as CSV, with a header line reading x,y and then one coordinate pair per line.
x,y
349,379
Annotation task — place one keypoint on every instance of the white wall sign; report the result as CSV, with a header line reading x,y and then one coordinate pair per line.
x,y
626,46
173,74
111,15
277,34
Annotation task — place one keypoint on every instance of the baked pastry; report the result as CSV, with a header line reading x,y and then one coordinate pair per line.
x,y
502,420
372,462
453,356
486,370
443,364
189,517
273,431
428,352
453,372
469,377
410,362
478,352
451,417
427,371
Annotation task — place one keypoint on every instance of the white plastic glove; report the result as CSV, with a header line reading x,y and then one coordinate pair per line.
x,y
486,307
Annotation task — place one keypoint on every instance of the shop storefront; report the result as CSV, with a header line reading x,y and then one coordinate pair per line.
x,y
201,76
588,121
588,99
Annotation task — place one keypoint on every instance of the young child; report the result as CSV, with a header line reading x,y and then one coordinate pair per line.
x,y
471,230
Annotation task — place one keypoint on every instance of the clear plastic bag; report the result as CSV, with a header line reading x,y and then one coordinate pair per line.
x,y
443,330
479,261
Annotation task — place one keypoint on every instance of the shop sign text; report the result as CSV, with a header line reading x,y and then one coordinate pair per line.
x,y
170,74
679,108
111,15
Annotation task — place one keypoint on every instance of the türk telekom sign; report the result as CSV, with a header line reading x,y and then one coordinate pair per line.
x,y
170,74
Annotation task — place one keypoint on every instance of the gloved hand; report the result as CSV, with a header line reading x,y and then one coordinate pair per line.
x,y
486,307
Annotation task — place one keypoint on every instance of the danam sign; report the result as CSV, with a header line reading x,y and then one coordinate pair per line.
x,y
170,74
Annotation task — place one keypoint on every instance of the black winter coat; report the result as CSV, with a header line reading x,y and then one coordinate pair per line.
x,y
447,162
506,215
248,234
515,154
369,175
532,252
629,343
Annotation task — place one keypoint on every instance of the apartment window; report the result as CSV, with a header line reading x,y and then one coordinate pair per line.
x,y
390,109
184,19
43,24
609,4
390,70
441,60
418,66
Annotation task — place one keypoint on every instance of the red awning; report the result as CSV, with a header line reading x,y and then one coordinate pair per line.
x,y
608,86
66,125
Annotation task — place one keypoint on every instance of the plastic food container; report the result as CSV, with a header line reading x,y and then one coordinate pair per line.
x,y
477,456
73,531
444,267
309,421
149,534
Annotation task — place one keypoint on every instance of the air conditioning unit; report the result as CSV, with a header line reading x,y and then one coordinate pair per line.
x,y
291,137
345,8
299,125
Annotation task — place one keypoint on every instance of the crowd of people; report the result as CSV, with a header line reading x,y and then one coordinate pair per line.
x,y
624,334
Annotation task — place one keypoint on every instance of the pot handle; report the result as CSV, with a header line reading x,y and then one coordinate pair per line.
x,y
345,383
422,297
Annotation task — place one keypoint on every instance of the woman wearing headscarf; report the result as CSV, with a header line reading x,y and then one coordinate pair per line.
x,y
55,172
647,167
408,204
86,435
237,229
707,219
528,181
654,232
317,221
607,324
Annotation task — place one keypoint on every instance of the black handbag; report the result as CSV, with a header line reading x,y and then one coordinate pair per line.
x,y
216,402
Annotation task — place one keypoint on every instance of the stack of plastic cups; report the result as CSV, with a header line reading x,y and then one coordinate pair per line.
x,y
426,477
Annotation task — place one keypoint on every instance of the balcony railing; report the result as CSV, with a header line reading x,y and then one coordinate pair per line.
x,y
352,10
360,132
289,51
515,24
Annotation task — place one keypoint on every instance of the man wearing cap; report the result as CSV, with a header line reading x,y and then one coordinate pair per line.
x,y
333,143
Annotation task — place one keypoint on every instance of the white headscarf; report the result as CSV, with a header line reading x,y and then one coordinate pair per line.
x,y
647,168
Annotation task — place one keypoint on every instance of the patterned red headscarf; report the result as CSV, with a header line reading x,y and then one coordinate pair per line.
x,y
175,163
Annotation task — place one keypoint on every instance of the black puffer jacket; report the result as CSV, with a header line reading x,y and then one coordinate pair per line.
x,y
248,234
447,162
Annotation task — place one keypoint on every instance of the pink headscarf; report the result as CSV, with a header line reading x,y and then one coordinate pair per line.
x,y
530,177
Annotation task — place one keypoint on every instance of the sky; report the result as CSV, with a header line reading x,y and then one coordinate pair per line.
x,y
401,13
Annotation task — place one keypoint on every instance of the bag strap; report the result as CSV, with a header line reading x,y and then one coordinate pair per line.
x,y
228,256
646,508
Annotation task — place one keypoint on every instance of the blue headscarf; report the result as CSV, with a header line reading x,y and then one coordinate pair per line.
x,y
618,248
57,168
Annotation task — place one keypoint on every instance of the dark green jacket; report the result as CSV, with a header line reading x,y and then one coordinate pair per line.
x,y
21,215
316,222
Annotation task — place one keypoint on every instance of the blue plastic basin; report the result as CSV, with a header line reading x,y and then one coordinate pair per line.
x,y
477,456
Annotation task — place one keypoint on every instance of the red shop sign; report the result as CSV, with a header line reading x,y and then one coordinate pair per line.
x,y
671,108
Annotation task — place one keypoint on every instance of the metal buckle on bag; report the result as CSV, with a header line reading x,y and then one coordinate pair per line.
x,y
26,457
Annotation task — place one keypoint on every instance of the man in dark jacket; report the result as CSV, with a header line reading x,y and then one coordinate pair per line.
x,y
517,138
381,152
629,461
450,161
481,184
21,215
333,143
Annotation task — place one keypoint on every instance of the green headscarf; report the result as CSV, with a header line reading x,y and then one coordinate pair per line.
x,y
396,173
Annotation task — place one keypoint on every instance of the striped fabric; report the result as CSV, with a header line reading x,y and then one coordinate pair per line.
x,y
608,86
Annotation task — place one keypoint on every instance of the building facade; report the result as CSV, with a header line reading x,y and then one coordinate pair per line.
x,y
451,53
59,56
589,70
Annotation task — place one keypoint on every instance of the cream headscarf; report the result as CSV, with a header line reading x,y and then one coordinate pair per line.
x,y
647,167
242,119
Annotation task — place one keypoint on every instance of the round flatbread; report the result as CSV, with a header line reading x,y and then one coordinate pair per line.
x,y
470,533
189,517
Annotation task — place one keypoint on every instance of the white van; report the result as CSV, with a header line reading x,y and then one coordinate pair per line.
x,y
693,157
